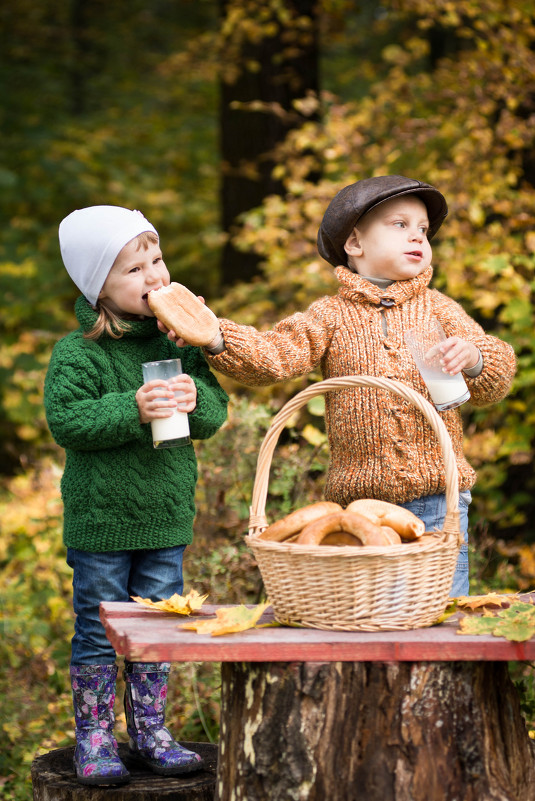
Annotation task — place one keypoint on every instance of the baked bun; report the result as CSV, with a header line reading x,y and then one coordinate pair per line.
x,y
182,312
358,526
283,529
383,513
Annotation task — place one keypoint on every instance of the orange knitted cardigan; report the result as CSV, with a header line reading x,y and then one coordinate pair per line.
x,y
381,446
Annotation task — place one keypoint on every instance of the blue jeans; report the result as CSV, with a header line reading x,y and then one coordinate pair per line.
x,y
432,510
115,576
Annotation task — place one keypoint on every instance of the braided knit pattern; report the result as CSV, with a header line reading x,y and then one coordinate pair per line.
x,y
381,446
119,493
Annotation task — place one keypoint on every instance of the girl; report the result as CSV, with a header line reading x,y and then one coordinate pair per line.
x,y
128,507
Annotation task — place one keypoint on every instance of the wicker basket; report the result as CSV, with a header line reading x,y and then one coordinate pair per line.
x,y
371,588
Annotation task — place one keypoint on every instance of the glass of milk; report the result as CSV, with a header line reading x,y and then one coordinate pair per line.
x,y
167,432
447,391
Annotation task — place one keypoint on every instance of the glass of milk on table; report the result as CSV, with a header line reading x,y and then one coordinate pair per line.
x,y
167,432
447,391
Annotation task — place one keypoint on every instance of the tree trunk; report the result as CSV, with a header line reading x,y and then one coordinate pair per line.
x,y
277,68
53,780
371,731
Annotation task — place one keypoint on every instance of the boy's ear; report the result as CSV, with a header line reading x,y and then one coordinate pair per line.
x,y
352,244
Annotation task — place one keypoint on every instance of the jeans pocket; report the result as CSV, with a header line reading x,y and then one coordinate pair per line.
x,y
465,498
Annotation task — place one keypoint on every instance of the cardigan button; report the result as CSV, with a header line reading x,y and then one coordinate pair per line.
x,y
387,302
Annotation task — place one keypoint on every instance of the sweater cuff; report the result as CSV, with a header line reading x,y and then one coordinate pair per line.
x,y
473,372
217,345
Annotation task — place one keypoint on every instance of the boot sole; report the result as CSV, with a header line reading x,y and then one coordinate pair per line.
x,y
162,771
102,780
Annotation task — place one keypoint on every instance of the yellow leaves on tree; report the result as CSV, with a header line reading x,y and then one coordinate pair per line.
x,y
179,604
522,555
228,621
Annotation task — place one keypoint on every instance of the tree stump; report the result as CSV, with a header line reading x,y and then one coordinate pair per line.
x,y
372,731
53,780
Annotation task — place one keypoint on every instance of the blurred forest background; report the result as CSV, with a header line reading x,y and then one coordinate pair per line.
x,y
231,124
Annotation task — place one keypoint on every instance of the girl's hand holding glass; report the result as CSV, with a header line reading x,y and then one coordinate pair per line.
x,y
165,399
157,398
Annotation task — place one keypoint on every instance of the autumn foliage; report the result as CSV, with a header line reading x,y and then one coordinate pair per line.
x,y
444,92
463,120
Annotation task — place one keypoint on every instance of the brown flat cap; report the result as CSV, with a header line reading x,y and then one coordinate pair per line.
x,y
352,202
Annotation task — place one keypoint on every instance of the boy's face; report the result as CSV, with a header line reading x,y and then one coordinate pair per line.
x,y
134,274
390,241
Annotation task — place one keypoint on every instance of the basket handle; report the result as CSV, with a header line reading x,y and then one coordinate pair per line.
x,y
257,518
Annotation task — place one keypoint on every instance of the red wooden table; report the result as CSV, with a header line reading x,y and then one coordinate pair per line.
x,y
142,634
419,715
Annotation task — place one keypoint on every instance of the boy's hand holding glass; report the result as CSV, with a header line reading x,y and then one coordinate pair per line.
x,y
438,358
458,354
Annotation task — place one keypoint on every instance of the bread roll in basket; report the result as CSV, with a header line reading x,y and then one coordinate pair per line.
x,y
389,587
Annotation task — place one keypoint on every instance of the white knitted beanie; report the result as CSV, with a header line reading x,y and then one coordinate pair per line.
x,y
90,240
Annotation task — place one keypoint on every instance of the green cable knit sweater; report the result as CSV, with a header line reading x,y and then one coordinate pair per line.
x,y
120,493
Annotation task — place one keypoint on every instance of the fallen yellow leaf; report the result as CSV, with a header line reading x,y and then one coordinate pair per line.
x,y
515,623
180,604
448,611
228,621
481,601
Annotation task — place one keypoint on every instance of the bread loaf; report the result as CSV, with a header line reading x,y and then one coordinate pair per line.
x,y
285,528
182,312
349,522
407,525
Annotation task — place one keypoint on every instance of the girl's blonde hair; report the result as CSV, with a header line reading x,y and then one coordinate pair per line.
x,y
108,322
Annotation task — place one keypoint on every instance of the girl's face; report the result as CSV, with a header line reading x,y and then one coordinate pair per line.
x,y
390,241
134,274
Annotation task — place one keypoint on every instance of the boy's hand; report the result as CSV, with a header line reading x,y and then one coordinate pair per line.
x,y
172,336
156,398
181,343
457,354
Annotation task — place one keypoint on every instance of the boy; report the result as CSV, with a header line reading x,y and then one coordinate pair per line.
x,y
376,233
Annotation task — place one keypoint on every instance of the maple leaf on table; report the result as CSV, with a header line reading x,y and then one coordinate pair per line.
x,y
179,604
228,620
516,623
477,625
518,629
481,601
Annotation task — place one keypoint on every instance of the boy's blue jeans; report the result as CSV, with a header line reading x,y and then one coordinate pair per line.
x,y
432,510
115,576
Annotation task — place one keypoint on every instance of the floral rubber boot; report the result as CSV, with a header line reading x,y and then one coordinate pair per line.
x,y
96,759
149,741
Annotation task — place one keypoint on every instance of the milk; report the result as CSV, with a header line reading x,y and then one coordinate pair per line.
x,y
167,432
447,392
167,429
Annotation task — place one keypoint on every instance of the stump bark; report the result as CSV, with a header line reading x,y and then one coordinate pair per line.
x,y
372,731
53,780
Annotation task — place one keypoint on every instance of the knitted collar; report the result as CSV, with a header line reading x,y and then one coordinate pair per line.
x,y
359,289
87,317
